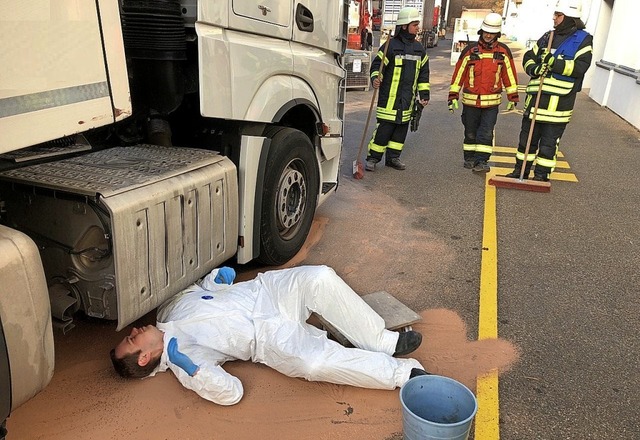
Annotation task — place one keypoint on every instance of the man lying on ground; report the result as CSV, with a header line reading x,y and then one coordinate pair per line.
x,y
264,320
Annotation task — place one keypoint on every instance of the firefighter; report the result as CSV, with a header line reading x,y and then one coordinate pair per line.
x,y
563,69
482,70
405,72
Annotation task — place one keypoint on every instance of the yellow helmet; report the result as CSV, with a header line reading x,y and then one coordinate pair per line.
x,y
407,15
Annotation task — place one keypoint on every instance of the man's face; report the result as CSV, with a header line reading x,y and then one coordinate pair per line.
x,y
557,18
413,27
140,339
488,37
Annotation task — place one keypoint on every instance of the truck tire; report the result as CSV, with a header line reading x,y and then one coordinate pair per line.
x,y
289,197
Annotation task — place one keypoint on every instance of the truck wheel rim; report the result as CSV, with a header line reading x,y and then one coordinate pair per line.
x,y
292,194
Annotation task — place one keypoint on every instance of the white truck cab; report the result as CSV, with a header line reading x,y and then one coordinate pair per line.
x,y
145,142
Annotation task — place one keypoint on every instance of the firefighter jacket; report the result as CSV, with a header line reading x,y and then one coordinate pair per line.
x,y
572,55
405,73
481,72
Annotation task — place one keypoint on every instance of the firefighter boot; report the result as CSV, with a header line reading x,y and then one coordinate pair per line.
x,y
469,160
541,174
481,167
395,163
370,164
518,168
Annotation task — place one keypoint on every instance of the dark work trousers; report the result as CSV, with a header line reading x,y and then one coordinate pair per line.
x,y
388,137
478,132
544,146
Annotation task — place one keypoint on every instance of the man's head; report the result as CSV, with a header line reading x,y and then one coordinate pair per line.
x,y
138,354
491,28
409,20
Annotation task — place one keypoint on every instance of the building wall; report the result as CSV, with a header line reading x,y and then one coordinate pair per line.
x,y
616,72
613,80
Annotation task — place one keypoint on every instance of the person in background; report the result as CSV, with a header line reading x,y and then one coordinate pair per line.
x,y
264,320
483,69
561,71
405,73
366,39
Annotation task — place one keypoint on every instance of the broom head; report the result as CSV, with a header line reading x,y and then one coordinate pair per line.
x,y
525,184
358,170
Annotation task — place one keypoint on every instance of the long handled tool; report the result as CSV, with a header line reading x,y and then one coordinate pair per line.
x,y
522,183
358,168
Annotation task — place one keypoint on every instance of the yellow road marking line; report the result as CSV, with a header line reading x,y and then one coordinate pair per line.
x,y
487,423
487,417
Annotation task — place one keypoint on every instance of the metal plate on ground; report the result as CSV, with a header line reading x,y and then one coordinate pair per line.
x,y
395,314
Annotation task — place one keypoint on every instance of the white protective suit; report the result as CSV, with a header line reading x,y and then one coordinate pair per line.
x,y
264,320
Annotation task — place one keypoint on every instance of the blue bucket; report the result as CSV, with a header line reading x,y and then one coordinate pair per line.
x,y
436,408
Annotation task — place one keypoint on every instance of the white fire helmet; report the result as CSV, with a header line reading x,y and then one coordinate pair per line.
x,y
407,15
570,8
492,23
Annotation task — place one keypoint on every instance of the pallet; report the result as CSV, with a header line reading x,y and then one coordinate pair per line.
x,y
396,315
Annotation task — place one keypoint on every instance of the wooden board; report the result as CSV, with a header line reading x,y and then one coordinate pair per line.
x,y
395,314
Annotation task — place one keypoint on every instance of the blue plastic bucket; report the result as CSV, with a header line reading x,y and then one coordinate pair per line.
x,y
436,408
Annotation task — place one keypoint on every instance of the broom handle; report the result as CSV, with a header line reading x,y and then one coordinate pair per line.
x,y
373,98
533,117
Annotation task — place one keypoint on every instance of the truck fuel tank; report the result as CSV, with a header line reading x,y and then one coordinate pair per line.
x,y
120,230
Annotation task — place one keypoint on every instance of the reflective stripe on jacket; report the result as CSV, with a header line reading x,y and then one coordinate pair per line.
x,y
573,54
481,72
405,73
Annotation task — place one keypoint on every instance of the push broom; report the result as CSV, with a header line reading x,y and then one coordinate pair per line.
x,y
522,183
358,168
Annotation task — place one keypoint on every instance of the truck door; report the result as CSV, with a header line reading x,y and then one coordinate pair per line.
x,y
266,17
316,23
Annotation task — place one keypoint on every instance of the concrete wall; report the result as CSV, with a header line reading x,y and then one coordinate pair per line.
x,y
616,73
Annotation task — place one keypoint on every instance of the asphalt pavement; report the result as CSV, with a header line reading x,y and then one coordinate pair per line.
x,y
567,261
566,292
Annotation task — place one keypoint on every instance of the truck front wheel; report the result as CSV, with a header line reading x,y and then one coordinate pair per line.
x,y
290,195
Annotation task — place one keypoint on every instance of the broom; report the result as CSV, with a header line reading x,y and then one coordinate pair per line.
x,y
358,168
522,183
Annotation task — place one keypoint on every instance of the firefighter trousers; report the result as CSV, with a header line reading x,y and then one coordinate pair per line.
x,y
389,137
545,141
478,132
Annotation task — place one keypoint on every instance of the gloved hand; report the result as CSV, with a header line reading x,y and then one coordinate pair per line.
x,y
225,275
511,106
453,101
180,359
547,59
539,70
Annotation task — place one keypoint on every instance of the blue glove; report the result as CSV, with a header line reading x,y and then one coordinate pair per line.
x,y
180,359
225,275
